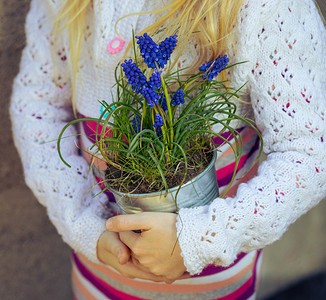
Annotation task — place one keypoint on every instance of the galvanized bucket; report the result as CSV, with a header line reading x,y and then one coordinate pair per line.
x,y
199,191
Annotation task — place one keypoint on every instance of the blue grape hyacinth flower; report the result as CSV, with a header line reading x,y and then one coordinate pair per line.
x,y
150,95
162,102
156,55
149,50
155,79
158,121
214,67
178,97
167,47
135,76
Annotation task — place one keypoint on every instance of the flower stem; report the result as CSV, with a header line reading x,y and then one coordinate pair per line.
x,y
170,128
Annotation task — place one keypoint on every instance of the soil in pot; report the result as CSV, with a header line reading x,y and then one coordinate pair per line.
x,y
196,165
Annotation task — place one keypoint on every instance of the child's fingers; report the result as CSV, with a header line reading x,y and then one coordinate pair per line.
x,y
129,238
121,223
111,243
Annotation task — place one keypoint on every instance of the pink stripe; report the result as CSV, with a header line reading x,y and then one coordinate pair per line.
x,y
240,293
93,125
248,288
226,135
91,133
224,175
212,270
90,130
249,292
101,285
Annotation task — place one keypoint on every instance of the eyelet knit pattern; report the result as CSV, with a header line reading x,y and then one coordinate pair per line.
x,y
284,43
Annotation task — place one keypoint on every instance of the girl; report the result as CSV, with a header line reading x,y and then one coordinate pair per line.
x,y
218,245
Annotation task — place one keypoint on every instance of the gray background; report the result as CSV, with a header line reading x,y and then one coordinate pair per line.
x,y
34,262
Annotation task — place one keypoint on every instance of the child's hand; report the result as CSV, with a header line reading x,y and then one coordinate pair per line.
x,y
156,249
111,251
110,244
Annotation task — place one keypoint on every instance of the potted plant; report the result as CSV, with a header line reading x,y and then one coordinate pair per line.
x,y
157,137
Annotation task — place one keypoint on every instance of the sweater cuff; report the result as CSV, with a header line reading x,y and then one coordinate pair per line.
x,y
200,245
88,230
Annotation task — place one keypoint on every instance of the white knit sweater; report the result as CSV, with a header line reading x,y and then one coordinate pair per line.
x,y
284,42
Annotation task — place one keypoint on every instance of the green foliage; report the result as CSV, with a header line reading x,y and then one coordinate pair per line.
x,y
143,153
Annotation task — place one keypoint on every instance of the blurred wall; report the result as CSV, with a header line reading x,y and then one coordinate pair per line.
x,y
34,262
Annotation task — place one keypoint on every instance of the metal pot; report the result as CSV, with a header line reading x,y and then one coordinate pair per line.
x,y
199,191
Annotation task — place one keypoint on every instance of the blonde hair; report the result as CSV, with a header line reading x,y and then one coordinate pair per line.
x,y
211,20
72,15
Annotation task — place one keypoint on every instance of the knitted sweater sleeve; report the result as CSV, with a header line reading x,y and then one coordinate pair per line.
x,y
40,107
285,42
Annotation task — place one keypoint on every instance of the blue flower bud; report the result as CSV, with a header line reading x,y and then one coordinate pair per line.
x,y
158,122
178,97
214,67
155,79
150,95
156,55
134,75
162,102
